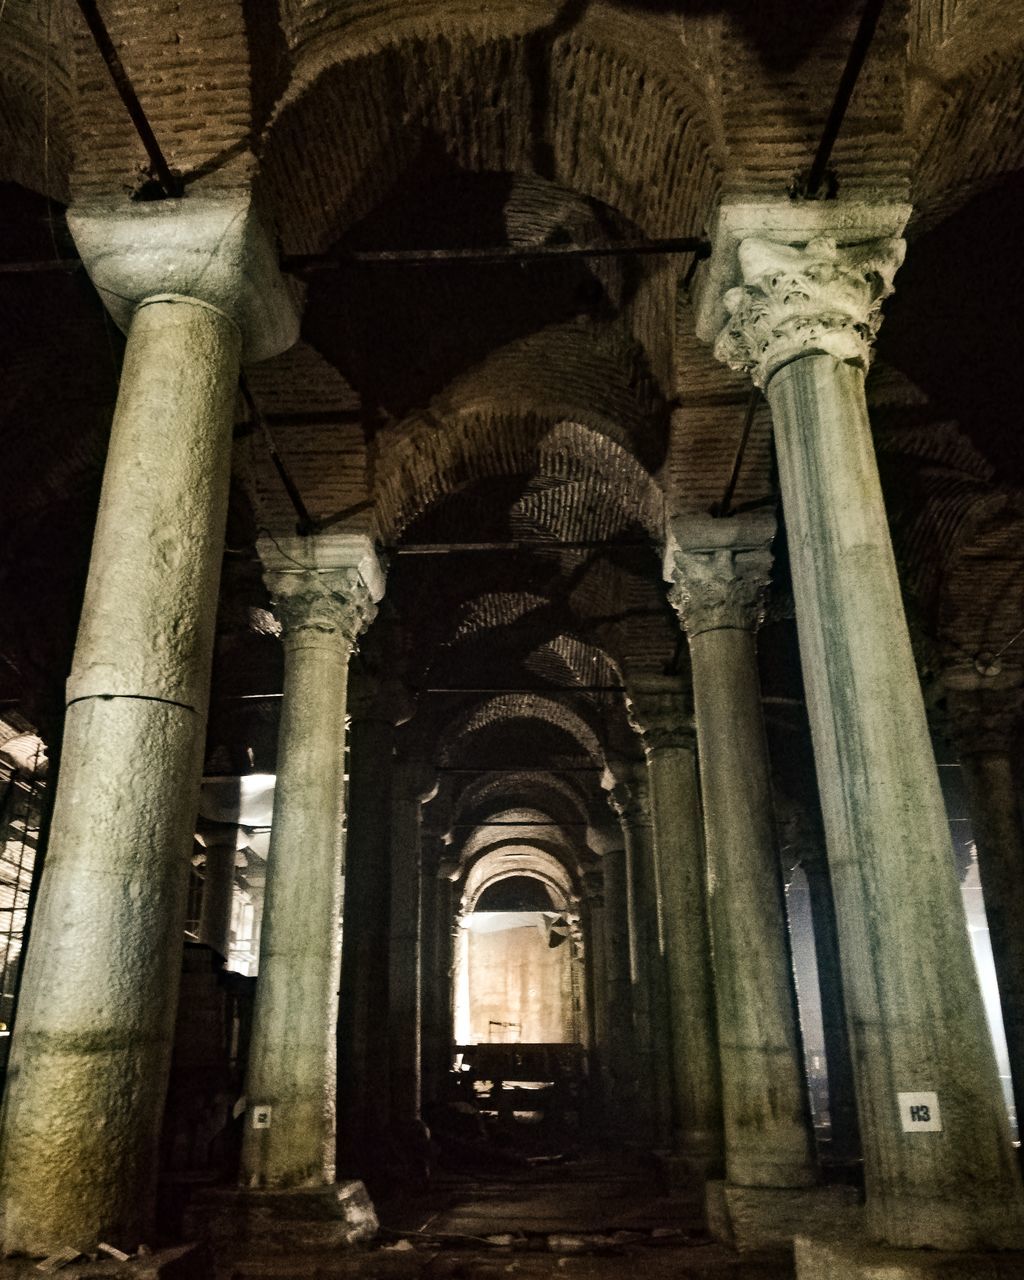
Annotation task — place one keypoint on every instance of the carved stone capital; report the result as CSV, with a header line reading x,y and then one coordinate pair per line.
x,y
719,571
335,603
328,586
215,250
801,301
628,792
593,887
663,717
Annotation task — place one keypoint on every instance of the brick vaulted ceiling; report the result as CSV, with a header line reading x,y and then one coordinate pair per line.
x,y
513,434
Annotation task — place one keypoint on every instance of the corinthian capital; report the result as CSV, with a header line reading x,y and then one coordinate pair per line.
x,y
329,585
662,714
625,782
797,301
719,571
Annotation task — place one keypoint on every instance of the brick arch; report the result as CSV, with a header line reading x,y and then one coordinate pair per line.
x,y
371,82
509,707
424,462
36,98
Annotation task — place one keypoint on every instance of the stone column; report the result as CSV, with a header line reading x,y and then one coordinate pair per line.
x,y
842,1103
630,799
290,1124
433,990
596,985
663,715
801,322
195,285
447,904
720,571
985,720
414,783
364,1093
218,891
620,1092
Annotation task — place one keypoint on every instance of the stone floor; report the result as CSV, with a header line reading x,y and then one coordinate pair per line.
x,y
591,1219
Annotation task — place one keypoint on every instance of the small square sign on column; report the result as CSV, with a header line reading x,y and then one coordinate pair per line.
x,y
919,1112
261,1116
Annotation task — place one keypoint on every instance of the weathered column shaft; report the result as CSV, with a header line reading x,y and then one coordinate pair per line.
x,y
651,1067
412,786
802,324
842,1102
620,1064
363,1038
721,570
985,719
431,1031
291,1082
995,815
594,928
218,897
90,1059
696,1070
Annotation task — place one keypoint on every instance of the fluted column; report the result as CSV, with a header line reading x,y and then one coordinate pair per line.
x,y
630,799
801,322
291,1082
719,570
663,714
985,721
195,285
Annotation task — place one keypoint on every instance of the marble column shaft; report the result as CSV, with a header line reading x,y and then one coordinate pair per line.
x,y
985,721
292,1064
218,895
91,1055
412,785
594,927
363,1037
801,323
630,801
720,569
431,995
666,723
842,1102
620,1064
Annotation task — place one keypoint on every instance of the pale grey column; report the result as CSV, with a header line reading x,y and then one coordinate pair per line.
x,y
88,1070
289,1136
720,572
985,722
801,323
414,783
218,892
663,714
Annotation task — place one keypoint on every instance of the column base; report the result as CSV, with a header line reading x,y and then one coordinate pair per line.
x,y
857,1259
236,1220
749,1218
